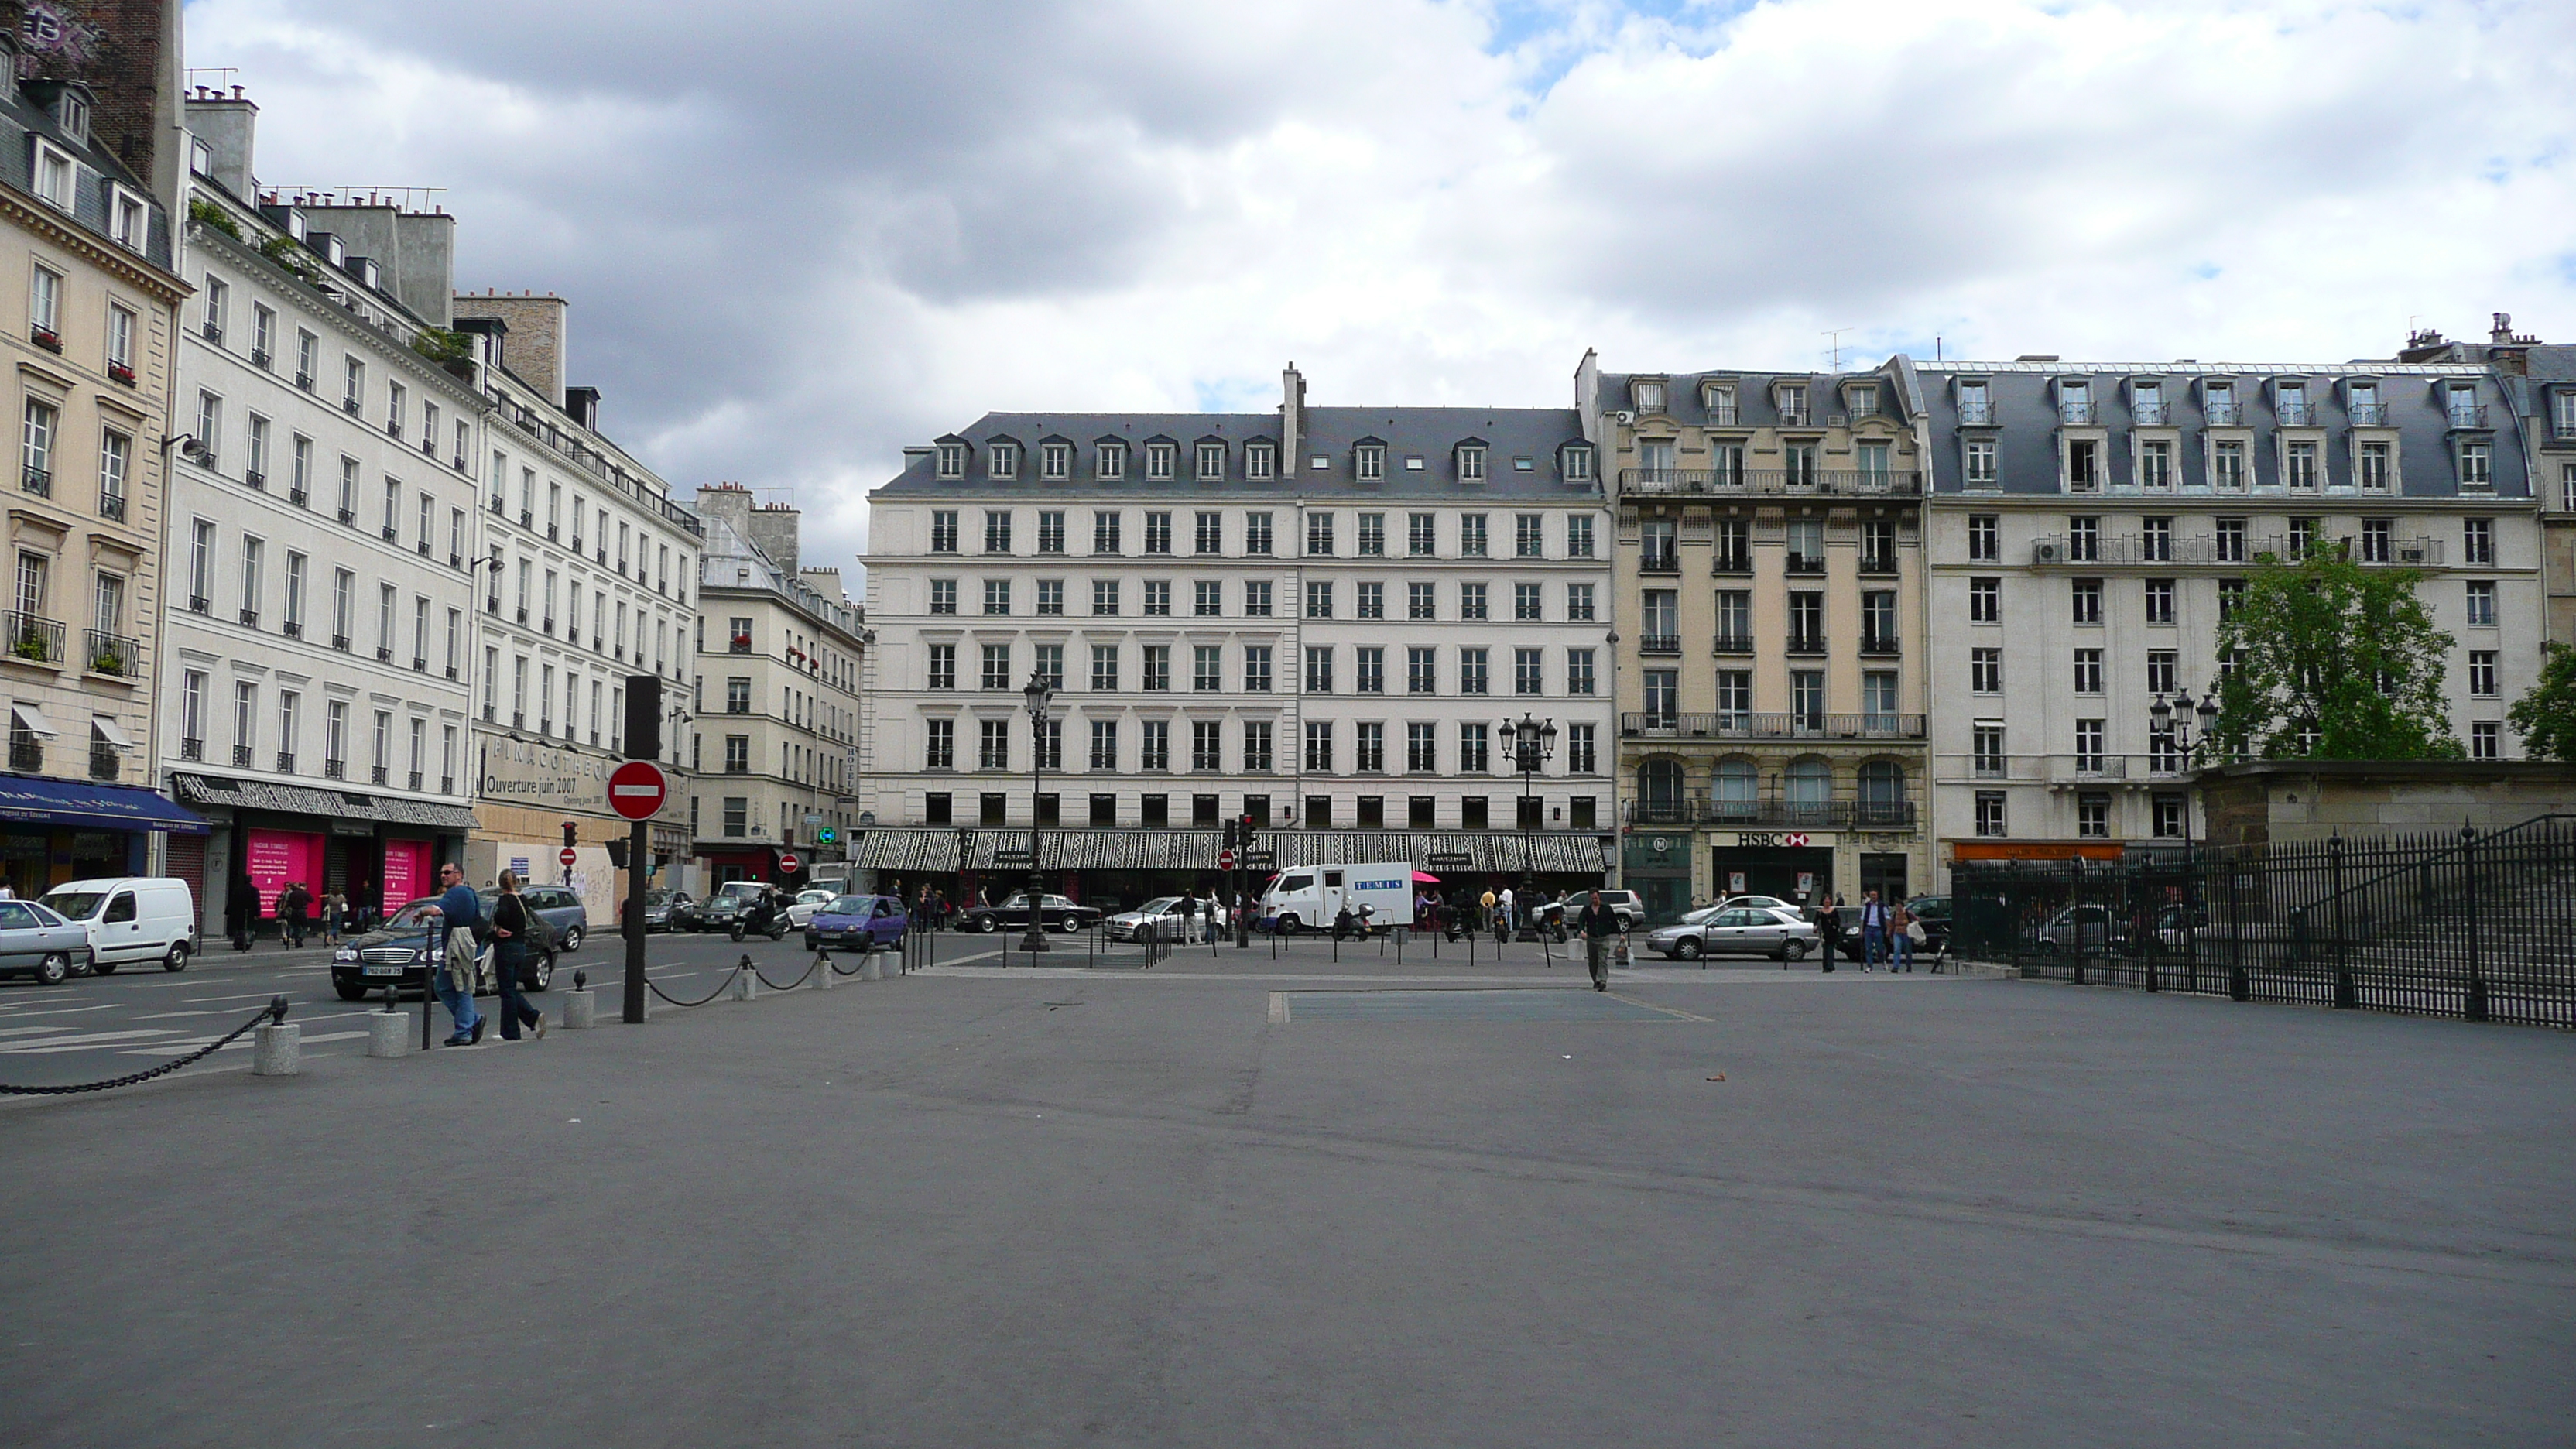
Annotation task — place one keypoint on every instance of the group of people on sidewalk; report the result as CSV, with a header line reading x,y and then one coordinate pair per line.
x,y
299,913
1888,933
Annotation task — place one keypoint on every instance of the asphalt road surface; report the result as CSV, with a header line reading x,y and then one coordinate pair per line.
x,y
1243,1201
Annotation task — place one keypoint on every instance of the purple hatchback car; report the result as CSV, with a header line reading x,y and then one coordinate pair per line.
x,y
854,923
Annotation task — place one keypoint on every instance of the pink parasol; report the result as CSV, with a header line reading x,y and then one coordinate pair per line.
x,y
1421,878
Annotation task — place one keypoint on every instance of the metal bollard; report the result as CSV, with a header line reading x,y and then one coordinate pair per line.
x,y
822,975
388,1034
580,1009
278,1051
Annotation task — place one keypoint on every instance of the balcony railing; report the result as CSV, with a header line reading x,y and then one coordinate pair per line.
x,y
2294,414
1976,414
1731,561
32,639
241,757
1763,481
2076,411
1747,725
2468,415
1879,644
286,762
1659,561
378,774
1659,644
2056,550
1845,813
2370,415
192,749
334,769
1732,643
1878,563
111,506
114,655
1806,643
39,481
2148,414
2219,412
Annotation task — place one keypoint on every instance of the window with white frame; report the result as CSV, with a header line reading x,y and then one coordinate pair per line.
x,y
952,460
53,174
1001,459
1211,460
129,220
1260,462
2477,463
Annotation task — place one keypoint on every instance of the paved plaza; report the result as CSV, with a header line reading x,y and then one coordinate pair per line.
x,y
1233,1200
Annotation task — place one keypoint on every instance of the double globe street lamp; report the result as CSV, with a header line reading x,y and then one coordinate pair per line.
x,y
1532,742
1039,694
2169,723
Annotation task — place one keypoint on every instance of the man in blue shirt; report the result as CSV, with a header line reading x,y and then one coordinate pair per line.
x,y
459,909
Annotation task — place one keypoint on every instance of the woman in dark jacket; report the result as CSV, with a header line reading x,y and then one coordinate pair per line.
x,y
512,926
241,911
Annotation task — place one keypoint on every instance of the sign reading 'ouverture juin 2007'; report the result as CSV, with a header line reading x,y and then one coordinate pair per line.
x,y
519,772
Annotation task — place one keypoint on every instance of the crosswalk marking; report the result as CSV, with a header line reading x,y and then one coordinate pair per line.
x,y
84,1042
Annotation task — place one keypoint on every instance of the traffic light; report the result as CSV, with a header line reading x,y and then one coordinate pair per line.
x,y
643,716
572,832
1229,835
1244,835
616,851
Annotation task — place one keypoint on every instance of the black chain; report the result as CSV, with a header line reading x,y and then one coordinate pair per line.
x,y
703,1000
274,1011
792,985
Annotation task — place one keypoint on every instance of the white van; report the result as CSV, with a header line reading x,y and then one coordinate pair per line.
x,y
131,919
1311,897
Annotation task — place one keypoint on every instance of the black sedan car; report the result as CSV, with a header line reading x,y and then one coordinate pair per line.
x,y
1055,912
401,952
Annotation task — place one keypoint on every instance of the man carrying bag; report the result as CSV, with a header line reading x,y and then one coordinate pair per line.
x,y
461,920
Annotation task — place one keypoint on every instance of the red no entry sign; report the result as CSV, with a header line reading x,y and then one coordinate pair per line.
x,y
567,857
787,863
637,789
1225,860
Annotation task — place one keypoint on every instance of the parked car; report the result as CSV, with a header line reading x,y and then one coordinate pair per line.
x,y
37,941
1760,903
1934,913
402,952
557,908
1056,912
855,922
664,910
2079,929
1159,917
800,912
1736,931
131,920
718,912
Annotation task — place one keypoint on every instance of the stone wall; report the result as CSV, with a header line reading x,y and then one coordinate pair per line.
x,y
2281,801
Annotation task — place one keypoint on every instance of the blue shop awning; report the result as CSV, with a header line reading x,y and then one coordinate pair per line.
x,y
31,800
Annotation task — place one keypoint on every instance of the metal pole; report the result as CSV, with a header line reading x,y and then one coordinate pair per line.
x,y
639,840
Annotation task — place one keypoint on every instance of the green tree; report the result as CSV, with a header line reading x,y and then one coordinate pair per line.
x,y
2545,717
2333,662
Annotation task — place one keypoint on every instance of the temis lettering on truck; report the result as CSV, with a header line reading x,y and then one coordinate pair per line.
x,y
1377,885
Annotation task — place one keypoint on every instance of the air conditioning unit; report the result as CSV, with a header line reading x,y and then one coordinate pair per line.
x,y
2413,555
1624,417
2047,553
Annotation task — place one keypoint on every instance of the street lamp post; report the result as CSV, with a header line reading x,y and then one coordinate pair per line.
x,y
2170,721
1039,694
1533,741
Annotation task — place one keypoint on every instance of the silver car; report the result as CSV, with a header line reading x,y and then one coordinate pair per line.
x,y
35,941
1737,931
1159,917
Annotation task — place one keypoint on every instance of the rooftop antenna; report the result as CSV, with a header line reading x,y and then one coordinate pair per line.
x,y
1837,335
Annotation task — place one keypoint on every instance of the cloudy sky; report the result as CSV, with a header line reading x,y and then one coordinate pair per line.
x,y
800,235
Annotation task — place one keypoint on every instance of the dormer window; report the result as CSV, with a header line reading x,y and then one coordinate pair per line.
x,y
952,460
2218,402
1575,461
1793,403
1718,400
1159,459
2460,404
1260,462
2290,401
1368,462
1001,459
2074,401
201,158
1211,459
1862,399
1055,461
1471,462
2362,396
1109,459
129,220
2147,402
1648,396
74,115
52,174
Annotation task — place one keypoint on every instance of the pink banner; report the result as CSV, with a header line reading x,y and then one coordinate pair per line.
x,y
279,856
406,873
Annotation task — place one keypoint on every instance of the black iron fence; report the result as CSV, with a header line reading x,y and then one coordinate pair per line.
x,y
2476,926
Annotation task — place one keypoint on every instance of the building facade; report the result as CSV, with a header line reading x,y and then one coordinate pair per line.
x,y
2539,379
2088,523
1771,677
773,745
1319,619
89,247
313,671
588,575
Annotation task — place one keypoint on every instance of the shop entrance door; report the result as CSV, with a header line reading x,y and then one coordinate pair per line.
x,y
1775,872
1884,874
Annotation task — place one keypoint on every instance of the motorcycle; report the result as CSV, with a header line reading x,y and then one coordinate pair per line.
x,y
766,919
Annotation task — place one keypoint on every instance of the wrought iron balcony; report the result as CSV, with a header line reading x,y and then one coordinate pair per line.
x,y
1731,561
114,655
1879,644
1844,812
414,778
286,762
2222,412
111,506
1732,643
377,774
241,757
1659,561
1747,725
2077,412
1802,643
32,639
2467,416
2294,414
334,769
2370,415
39,481
192,749
2148,414
1837,482
1977,414
1659,644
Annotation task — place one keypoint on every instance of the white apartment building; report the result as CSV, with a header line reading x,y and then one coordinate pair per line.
x,y
773,747
315,639
588,571
1317,619
2087,524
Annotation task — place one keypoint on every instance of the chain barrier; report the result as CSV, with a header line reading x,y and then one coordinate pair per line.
x,y
272,1013
703,1000
792,985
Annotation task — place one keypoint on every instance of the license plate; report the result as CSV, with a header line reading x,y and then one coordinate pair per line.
x,y
383,971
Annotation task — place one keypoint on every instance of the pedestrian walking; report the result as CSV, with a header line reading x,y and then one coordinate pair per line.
x,y
1873,932
1599,925
293,905
460,922
335,913
241,911
1190,917
1829,928
513,929
1902,928
1505,902
1485,909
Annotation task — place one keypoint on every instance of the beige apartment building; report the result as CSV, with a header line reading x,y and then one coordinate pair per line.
x,y
1766,583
